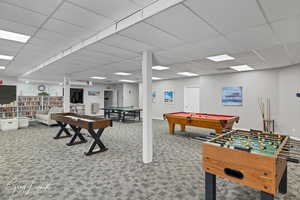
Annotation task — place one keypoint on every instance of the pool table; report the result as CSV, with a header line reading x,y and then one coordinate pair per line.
x,y
203,120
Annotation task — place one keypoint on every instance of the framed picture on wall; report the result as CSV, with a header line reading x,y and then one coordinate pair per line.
x,y
169,96
153,96
232,96
94,93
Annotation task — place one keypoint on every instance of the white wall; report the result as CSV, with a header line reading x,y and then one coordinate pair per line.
x,y
120,94
31,89
289,104
279,85
88,100
130,94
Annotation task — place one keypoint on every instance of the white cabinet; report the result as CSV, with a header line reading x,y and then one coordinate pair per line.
x,y
8,124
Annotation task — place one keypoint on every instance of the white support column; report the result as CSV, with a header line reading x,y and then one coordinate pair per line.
x,y
147,107
67,83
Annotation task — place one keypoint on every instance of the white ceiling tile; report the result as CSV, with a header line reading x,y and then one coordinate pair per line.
x,y
254,38
150,35
10,46
143,2
45,7
4,62
228,15
288,30
114,9
127,43
294,49
56,39
182,23
249,58
81,17
216,46
275,56
277,10
19,15
66,29
16,27
106,49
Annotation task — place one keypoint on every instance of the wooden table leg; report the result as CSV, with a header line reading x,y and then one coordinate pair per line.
x,y
182,128
171,128
62,129
210,186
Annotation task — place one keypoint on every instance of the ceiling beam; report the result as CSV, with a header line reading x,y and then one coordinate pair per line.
x,y
142,14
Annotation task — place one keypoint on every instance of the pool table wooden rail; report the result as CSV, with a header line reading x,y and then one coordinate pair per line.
x,y
217,124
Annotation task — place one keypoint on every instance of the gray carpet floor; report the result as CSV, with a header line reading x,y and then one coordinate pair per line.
x,y
34,166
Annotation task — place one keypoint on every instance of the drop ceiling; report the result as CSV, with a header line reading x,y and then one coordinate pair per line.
x,y
264,34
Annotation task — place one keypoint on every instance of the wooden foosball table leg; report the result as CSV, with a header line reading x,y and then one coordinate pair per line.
x,y
283,183
210,186
266,196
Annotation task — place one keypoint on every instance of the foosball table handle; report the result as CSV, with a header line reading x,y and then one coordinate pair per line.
x,y
293,160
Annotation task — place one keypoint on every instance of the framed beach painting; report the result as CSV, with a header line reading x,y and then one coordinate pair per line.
x,y
169,96
232,96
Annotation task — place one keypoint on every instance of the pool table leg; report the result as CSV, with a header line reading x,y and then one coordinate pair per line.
x,y
182,128
219,131
171,128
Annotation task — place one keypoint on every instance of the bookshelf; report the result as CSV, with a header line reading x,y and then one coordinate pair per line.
x,y
50,101
8,112
28,106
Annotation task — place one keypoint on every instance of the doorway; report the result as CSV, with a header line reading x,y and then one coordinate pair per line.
x,y
108,98
191,99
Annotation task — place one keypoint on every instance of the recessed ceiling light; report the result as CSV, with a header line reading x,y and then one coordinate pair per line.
x,y
98,77
122,73
2,67
5,57
7,35
60,83
220,58
156,78
242,68
160,68
127,81
187,74
26,82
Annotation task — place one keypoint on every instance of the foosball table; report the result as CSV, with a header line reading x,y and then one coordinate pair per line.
x,y
253,158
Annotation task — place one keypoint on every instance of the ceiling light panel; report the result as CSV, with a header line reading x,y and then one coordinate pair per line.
x,y
220,58
5,57
2,68
122,73
156,78
242,68
98,77
127,81
7,35
187,74
160,68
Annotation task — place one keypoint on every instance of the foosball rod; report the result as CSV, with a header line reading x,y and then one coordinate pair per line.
x,y
289,153
267,137
290,159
